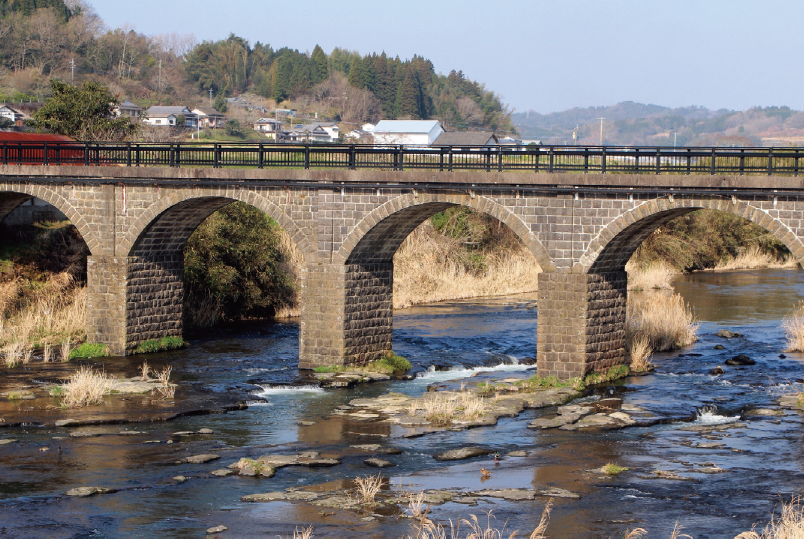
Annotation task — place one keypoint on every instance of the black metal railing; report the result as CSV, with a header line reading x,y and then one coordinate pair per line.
x,y
577,159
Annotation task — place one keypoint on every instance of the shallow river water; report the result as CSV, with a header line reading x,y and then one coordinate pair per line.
x,y
762,463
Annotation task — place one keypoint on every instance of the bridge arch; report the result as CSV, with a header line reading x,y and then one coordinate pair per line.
x,y
12,195
378,236
152,254
615,243
182,212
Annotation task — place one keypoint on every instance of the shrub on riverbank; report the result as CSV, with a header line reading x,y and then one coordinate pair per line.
x,y
232,268
89,350
704,238
656,276
160,345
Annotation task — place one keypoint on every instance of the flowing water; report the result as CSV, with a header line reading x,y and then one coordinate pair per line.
x,y
762,462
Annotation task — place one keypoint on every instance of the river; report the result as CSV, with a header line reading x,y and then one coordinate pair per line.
x,y
762,462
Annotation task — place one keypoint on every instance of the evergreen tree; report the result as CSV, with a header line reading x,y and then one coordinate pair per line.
x,y
319,71
407,98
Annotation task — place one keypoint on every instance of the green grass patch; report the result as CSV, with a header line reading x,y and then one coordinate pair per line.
x,y
613,469
614,373
390,364
328,368
14,395
160,345
56,391
88,350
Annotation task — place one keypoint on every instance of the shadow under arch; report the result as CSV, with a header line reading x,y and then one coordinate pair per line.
x,y
617,242
378,236
154,254
11,197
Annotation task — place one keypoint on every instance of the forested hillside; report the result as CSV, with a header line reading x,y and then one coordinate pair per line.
x,y
43,39
630,123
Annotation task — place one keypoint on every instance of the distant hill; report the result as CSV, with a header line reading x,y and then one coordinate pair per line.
x,y
630,123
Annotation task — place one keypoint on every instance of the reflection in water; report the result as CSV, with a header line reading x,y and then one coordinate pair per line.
x,y
759,458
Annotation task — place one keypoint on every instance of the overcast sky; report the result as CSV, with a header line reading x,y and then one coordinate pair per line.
x,y
543,55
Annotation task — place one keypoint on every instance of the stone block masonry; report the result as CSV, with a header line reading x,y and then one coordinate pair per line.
x,y
581,323
581,229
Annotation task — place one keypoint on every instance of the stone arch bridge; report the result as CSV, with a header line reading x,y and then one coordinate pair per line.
x,y
581,228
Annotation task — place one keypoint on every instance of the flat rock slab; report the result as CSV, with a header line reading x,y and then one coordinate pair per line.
x,y
510,494
217,529
198,459
763,412
83,434
790,402
22,394
297,495
83,492
714,428
379,463
463,453
517,454
377,448
7,441
223,472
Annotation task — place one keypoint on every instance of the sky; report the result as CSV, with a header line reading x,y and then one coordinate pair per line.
x,y
545,56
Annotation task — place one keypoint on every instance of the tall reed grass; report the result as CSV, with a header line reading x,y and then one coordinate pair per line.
x,y
788,525
664,320
430,267
793,326
656,276
754,258
42,313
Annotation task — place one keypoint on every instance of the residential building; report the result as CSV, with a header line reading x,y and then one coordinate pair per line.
x,y
317,132
20,112
413,132
209,117
129,110
474,139
164,116
270,127
12,114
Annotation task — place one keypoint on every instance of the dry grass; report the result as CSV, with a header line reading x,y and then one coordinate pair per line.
x,y
666,321
42,313
793,327
87,387
367,487
11,354
429,267
474,529
639,350
304,533
657,276
65,350
145,370
441,407
292,264
789,525
47,353
754,258
167,390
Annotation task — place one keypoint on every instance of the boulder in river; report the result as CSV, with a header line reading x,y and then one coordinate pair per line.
x,y
726,334
719,347
717,371
740,359
462,453
217,529
198,459
379,463
83,492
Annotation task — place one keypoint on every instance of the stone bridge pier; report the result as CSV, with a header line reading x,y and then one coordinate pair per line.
x,y
581,229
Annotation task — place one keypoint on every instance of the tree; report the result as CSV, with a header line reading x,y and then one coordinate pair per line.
x,y
85,113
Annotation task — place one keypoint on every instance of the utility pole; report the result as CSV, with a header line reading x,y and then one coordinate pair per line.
x,y
210,97
159,80
675,137
72,71
601,130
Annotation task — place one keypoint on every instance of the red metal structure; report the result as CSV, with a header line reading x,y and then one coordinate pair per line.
x,y
32,149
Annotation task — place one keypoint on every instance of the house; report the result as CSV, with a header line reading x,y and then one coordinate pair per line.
x,y
418,132
162,116
209,117
12,114
474,139
129,110
272,128
20,112
360,136
318,132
